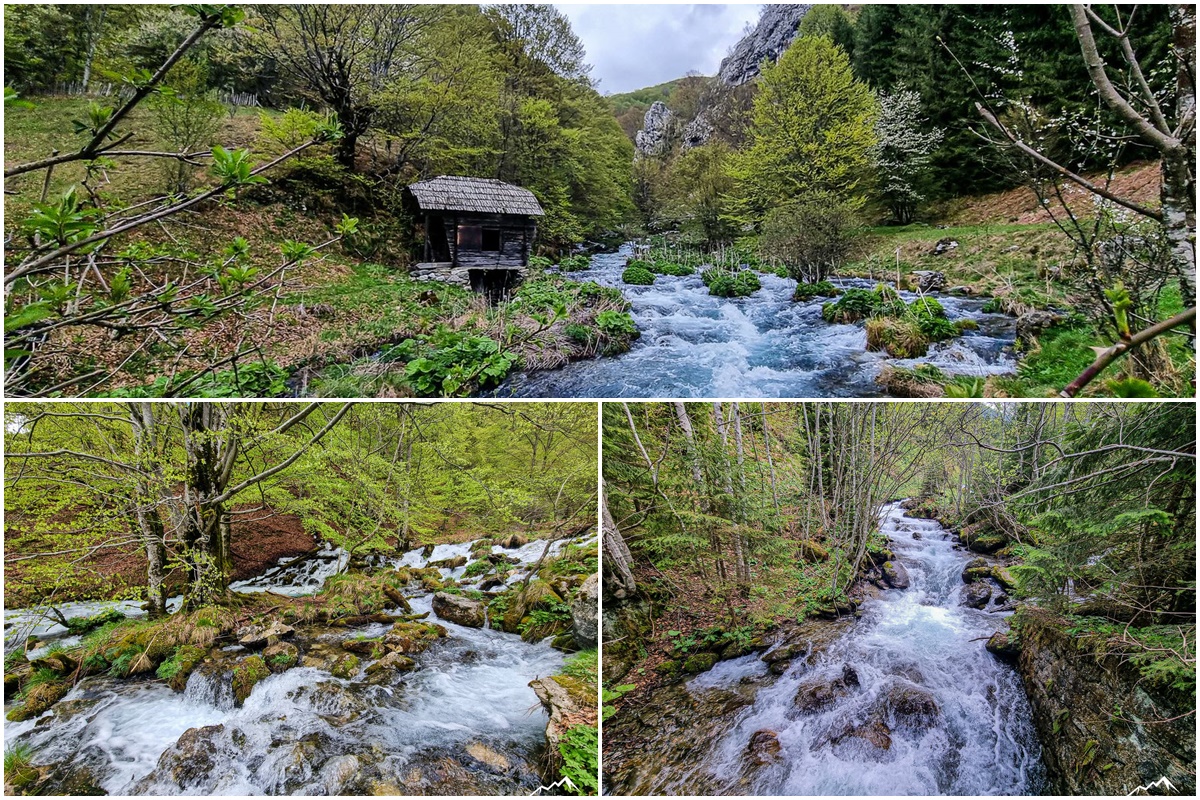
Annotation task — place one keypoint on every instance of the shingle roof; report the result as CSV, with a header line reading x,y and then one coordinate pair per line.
x,y
482,195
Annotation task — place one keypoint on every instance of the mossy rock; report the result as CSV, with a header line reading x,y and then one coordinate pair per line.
x,y
982,538
38,700
700,662
176,669
371,648
565,642
537,595
346,666
412,637
281,656
811,552
669,668
246,675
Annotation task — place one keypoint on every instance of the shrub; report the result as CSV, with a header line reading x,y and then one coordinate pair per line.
x,y
582,334
638,276
852,306
721,283
670,268
580,751
807,291
186,119
574,263
615,323
453,364
539,262
812,235
901,338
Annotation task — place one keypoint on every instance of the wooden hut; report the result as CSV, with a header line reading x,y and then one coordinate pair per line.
x,y
477,232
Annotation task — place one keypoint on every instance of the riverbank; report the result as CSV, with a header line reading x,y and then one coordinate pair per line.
x,y
277,689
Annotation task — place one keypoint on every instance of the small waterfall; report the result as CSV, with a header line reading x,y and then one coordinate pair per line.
x,y
696,345
210,687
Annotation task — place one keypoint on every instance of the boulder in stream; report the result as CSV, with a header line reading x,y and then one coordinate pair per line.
x,y
1033,324
763,747
392,662
895,574
281,656
259,636
460,610
976,595
1003,646
569,701
37,700
910,705
246,675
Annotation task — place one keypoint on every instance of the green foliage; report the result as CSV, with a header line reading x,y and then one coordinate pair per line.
x,y
812,131
610,694
584,666
451,363
722,283
807,291
580,751
616,323
65,221
574,263
18,765
813,235
234,168
637,276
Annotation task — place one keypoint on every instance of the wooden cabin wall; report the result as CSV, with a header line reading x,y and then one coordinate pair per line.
x,y
516,240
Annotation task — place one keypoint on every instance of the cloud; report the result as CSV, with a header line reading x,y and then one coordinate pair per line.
x,y
633,46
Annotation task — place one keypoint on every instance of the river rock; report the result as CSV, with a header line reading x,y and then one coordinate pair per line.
x,y
38,700
944,246
258,636
372,648
895,574
346,667
1003,646
982,537
450,563
392,662
514,541
976,595
909,704
763,747
246,675
817,694
585,613
976,570
460,610
1033,324
927,280
281,656
337,773
58,662
700,662
569,701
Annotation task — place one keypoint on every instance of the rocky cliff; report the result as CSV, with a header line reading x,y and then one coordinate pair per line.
x,y
1104,729
775,30
654,139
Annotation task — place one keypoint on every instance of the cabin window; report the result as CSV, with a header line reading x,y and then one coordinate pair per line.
x,y
491,240
470,237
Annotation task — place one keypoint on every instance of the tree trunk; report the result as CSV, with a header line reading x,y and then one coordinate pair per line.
x,y
618,561
1178,166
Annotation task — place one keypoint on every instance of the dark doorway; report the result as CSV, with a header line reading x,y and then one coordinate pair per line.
x,y
439,249
494,284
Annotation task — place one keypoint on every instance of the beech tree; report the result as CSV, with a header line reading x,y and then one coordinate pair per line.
x,y
812,130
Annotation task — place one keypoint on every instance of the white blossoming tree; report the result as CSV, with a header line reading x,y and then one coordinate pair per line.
x,y
904,151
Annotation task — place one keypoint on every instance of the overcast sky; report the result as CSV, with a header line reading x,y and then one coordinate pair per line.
x,y
634,46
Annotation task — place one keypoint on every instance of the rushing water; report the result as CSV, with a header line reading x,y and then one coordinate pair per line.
x,y
304,731
978,738
696,345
